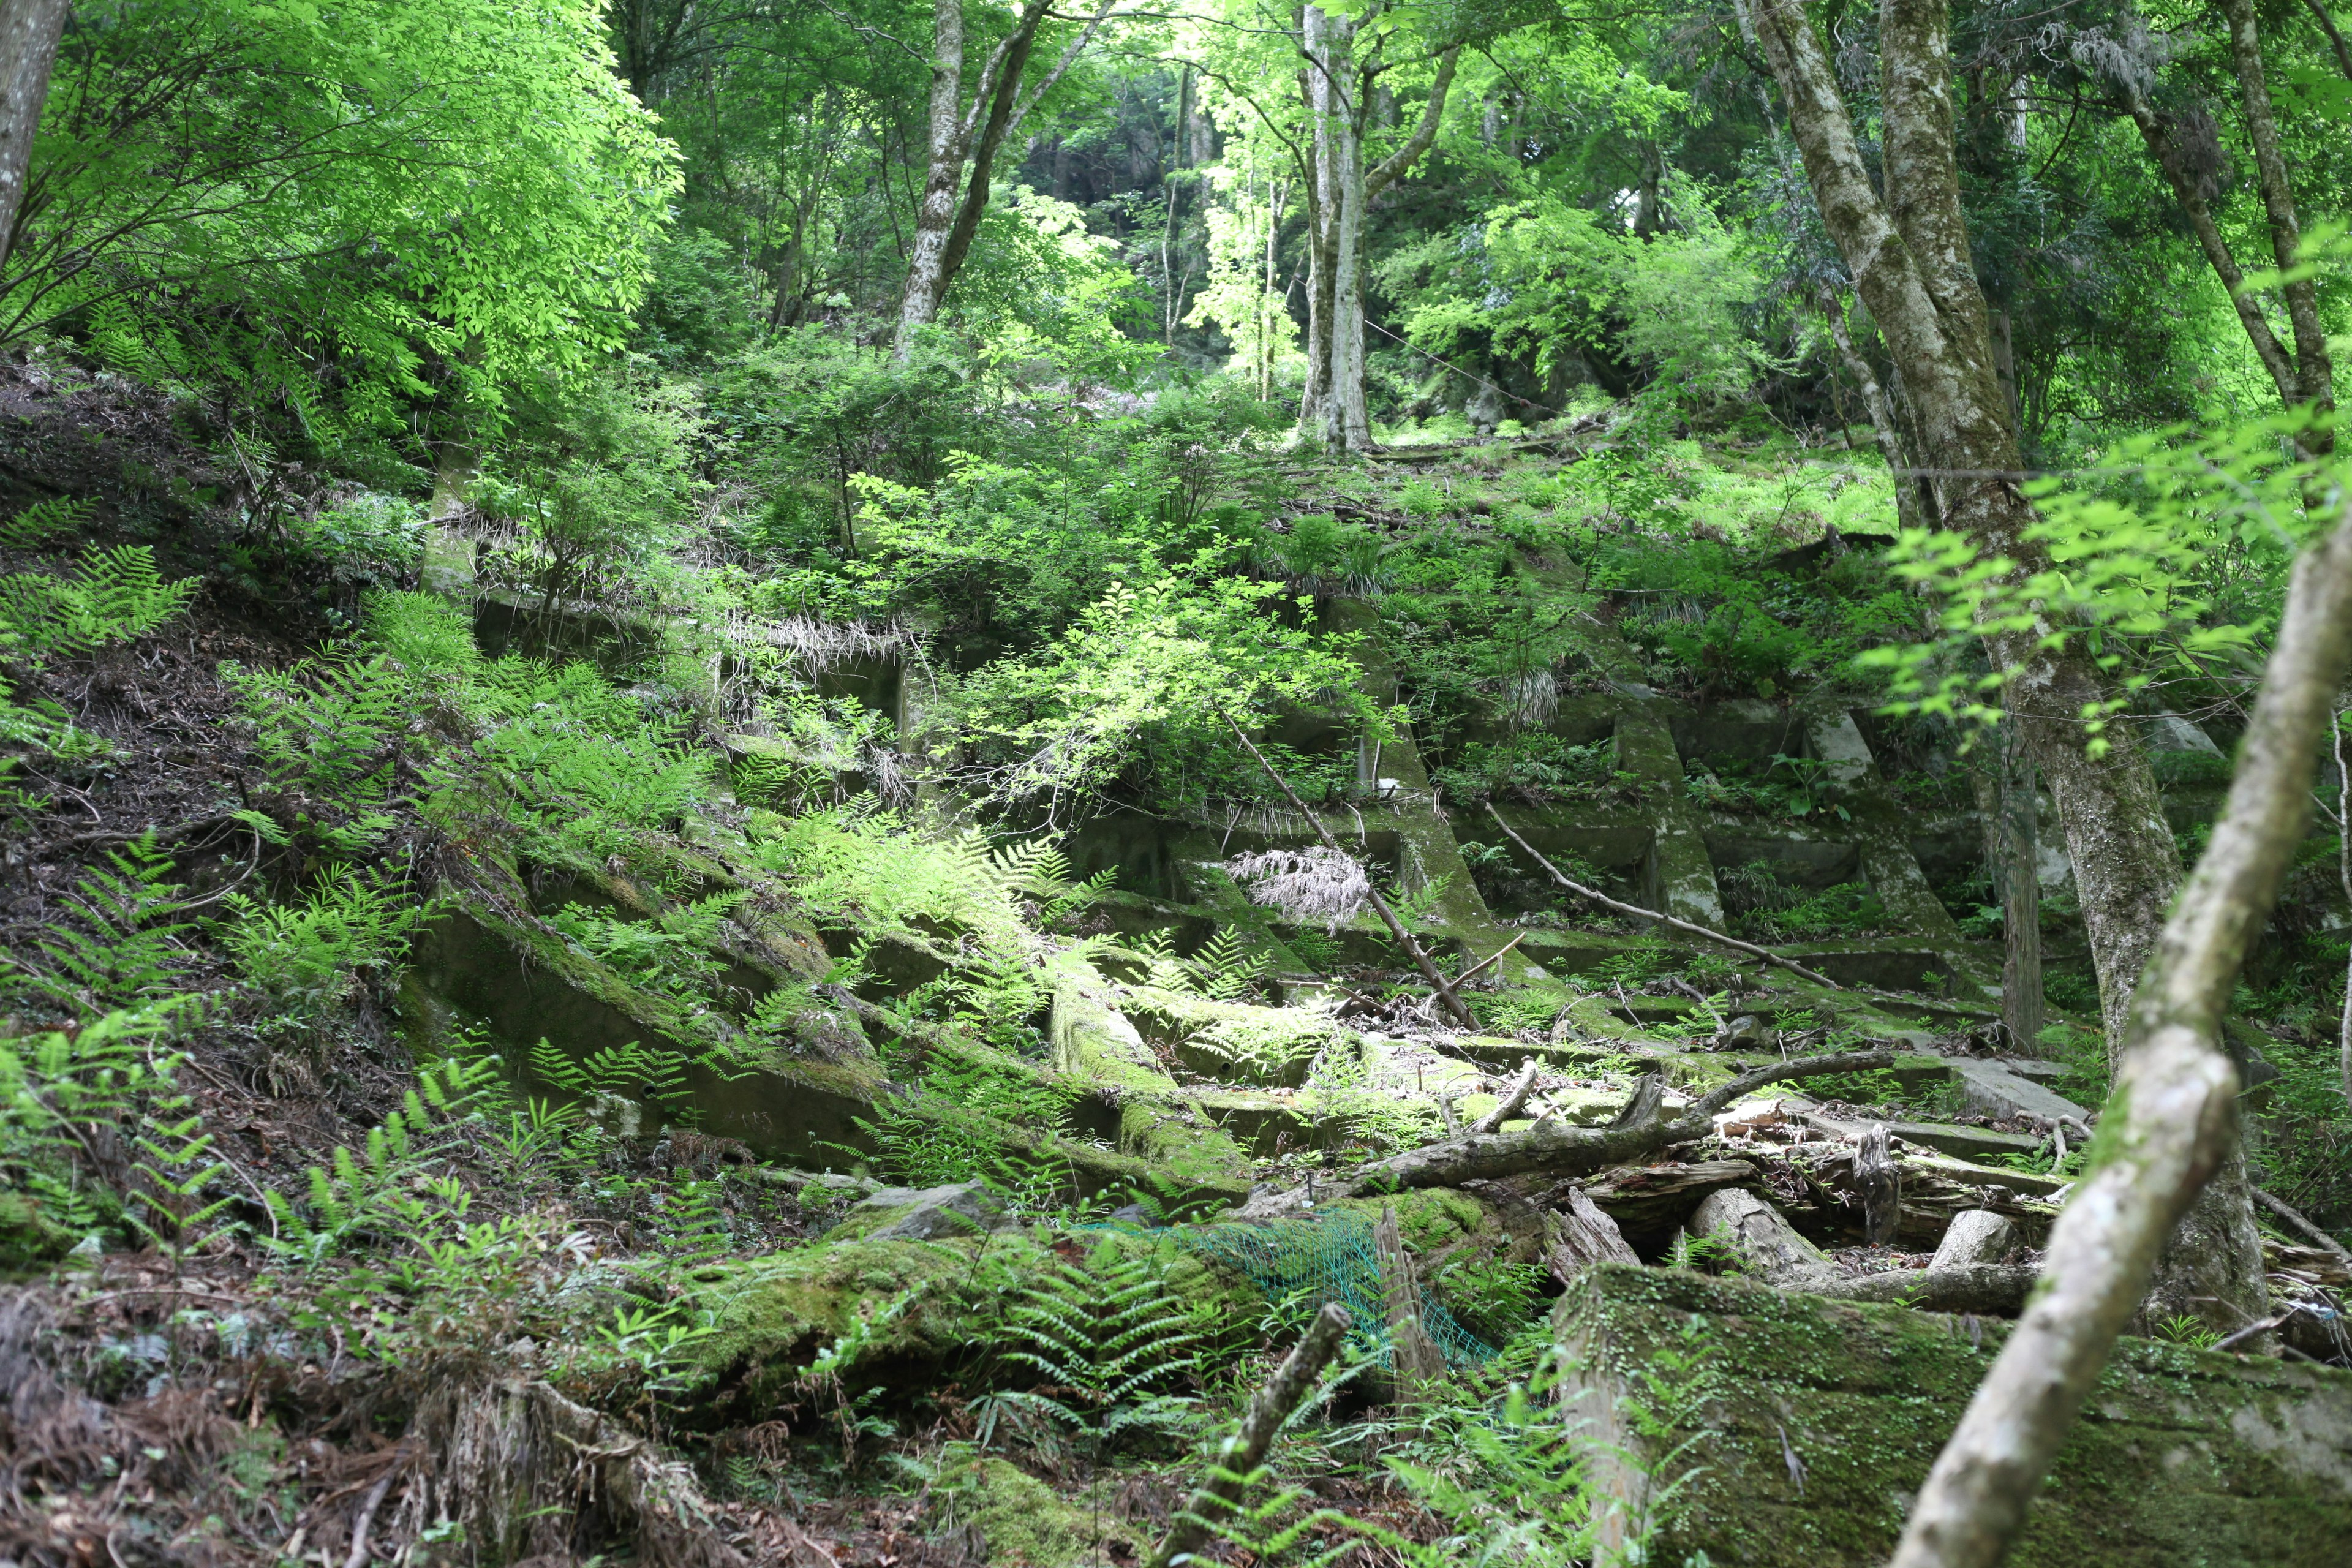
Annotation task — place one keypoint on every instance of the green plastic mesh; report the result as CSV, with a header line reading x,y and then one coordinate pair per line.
x,y
1327,1258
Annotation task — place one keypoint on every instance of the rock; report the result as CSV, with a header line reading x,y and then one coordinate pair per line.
x,y
1817,1421
1991,1088
1979,1236
1747,1032
931,1214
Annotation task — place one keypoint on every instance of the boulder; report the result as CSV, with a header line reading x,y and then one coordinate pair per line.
x,y
1979,1235
928,1214
1775,1430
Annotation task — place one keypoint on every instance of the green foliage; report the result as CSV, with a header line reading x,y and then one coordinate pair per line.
x,y
675,953
309,954
2166,562
239,189
1109,1344
119,594
92,1127
122,946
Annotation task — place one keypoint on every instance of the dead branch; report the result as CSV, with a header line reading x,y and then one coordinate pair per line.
x,y
1634,911
2294,1217
1513,1099
1239,1455
1551,1145
2176,1096
1396,927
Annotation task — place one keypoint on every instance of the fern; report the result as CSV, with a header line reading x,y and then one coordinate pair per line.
x,y
1224,969
632,1070
308,955
335,730
119,595
44,520
1110,1343
122,947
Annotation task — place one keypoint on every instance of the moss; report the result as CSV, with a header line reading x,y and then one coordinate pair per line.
x,y
1434,1221
927,1306
1022,1522
930,1308
2182,1457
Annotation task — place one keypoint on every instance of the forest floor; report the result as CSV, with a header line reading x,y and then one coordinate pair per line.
x,y
877,1198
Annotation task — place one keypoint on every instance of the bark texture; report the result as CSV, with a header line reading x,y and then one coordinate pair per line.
x,y
1550,1146
30,30
959,136
2172,1124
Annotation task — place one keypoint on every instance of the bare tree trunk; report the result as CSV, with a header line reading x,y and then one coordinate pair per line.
x,y
1649,210
1910,509
1340,189
2314,374
947,144
1910,262
948,216
30,30
2190,191
2021,901
2173,1118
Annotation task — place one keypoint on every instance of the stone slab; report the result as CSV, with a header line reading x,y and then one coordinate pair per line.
x,y
1991,1088
1806,1425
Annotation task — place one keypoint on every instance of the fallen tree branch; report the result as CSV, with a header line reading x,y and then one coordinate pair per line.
x,y
1429,970
1513,1099
2174,1113
2294,1217
1239,1455
1634,911
1467,976
1553,1146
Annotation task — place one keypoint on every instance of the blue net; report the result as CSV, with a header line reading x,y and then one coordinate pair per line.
x,y
1331,1258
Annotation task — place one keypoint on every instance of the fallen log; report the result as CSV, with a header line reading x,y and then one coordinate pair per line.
x,y
1578,1234
1549,1145
1770,1249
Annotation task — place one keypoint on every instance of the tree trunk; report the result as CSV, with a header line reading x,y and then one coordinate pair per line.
x,y
2172,1122
1910,262
2011,829
30,30
946,145
2314,374
949,215
1333,411
1911,508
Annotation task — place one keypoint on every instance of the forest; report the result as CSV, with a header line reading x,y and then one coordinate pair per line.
x,y
985,784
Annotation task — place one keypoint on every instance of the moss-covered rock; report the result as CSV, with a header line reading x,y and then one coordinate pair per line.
x,y
917,1313
1233,1041
2181,1456
1025,1524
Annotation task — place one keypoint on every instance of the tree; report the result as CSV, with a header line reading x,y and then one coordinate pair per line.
x,y
378,201
2172,1123
2181,142
30,30
1909,257
1340,61
961,132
